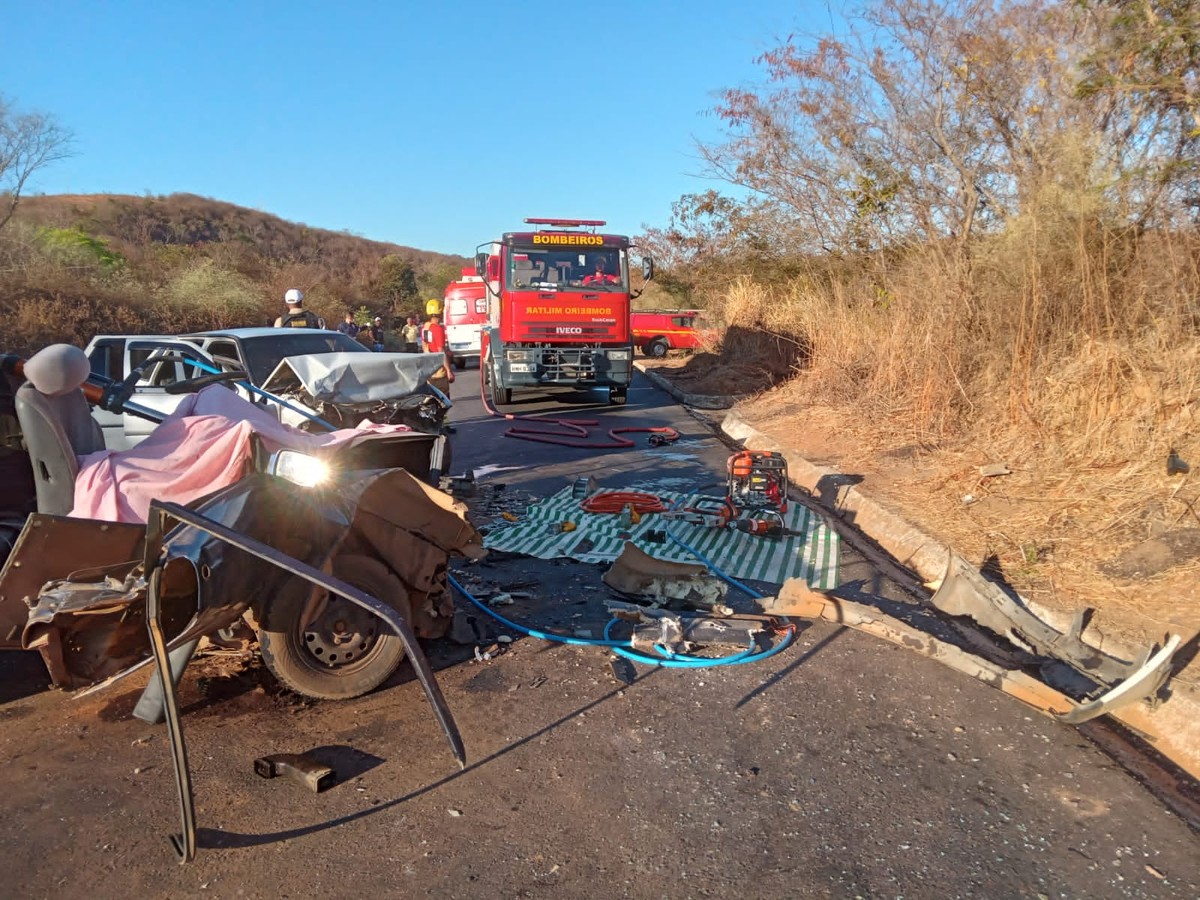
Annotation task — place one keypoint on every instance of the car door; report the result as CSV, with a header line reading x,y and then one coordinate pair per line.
x,y
151,388
685,335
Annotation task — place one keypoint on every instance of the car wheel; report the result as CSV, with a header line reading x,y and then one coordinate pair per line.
x,y
657,348
344,651
460,363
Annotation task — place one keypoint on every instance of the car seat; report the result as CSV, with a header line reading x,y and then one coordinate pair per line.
x,y
56,423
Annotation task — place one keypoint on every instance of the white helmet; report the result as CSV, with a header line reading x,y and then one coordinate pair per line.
x,y
294,297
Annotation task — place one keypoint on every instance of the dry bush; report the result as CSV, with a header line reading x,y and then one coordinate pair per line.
x,y
1061,333
34,320
224,299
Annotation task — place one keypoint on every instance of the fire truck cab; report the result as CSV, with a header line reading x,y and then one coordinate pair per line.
x,y
558,310
465,313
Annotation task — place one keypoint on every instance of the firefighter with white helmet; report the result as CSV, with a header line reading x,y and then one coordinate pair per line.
x,y
297,316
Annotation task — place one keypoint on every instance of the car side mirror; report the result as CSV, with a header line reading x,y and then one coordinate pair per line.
x,y
647,267
481,261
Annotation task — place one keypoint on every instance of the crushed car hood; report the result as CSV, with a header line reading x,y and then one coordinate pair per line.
x,y
354,377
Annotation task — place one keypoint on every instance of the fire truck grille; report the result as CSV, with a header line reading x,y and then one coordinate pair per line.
x,y
581,332
569,365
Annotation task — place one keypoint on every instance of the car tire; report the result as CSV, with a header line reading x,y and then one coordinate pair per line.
x,y
460,363
306,656
657,348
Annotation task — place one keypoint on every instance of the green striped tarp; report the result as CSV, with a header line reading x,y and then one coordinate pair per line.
x,y
599,537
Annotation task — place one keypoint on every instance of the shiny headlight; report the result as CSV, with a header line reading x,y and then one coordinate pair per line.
x,y
618,354
299,468
518,355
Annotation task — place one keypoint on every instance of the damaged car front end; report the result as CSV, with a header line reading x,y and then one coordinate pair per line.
x,y
337,557
261,549
345,389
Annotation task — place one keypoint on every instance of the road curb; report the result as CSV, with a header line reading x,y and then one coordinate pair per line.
x,y
1172,726
699,401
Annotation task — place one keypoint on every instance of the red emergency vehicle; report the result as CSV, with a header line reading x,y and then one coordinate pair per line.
x,y
464,313
655,331
558,309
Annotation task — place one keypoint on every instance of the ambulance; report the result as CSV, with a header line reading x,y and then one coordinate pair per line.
x,y
465,313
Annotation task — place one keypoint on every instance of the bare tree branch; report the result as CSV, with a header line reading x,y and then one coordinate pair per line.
x,y
28,142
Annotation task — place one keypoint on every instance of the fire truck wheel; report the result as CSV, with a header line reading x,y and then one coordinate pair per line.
x,y
497,395
657,348
345,651
616,396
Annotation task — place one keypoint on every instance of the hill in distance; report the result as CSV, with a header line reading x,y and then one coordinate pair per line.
x,y
74,265
130,223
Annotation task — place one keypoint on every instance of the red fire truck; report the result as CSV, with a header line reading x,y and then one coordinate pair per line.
x,y
464,313
558,311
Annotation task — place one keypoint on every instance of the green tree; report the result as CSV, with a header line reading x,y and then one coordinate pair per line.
x,y
397,282
226,298
433,280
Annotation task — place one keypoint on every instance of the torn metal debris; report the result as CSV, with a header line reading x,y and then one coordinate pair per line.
x,y
637,573
298,767
964,591
796,598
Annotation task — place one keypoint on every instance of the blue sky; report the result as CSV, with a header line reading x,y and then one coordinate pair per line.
x,y
434,125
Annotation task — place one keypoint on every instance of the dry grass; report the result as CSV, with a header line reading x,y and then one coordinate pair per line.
x,y
1068,352
1099,361
1051,529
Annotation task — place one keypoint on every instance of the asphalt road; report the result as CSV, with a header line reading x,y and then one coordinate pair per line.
x,y
843,767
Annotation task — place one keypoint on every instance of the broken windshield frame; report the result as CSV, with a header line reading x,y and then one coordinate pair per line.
x,y
536,268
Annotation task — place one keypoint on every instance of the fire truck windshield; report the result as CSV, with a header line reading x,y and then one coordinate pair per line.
x,y
602,269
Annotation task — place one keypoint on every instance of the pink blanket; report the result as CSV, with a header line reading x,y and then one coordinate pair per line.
x,y
202,446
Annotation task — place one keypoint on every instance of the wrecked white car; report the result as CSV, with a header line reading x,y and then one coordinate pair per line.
x,y
309,378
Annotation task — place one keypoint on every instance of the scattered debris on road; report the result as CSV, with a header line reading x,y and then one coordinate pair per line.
x,y
637,573
298,767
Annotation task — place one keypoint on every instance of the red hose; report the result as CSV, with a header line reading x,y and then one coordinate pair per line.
x,y
616,501
571,433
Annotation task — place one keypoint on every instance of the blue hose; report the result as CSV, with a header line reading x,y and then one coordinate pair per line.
x,y
205,367
711,567
669,660
532,632
666,660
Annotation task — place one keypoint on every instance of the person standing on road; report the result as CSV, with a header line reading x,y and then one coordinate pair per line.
x,y
297,316
412,336
433,335
348,327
